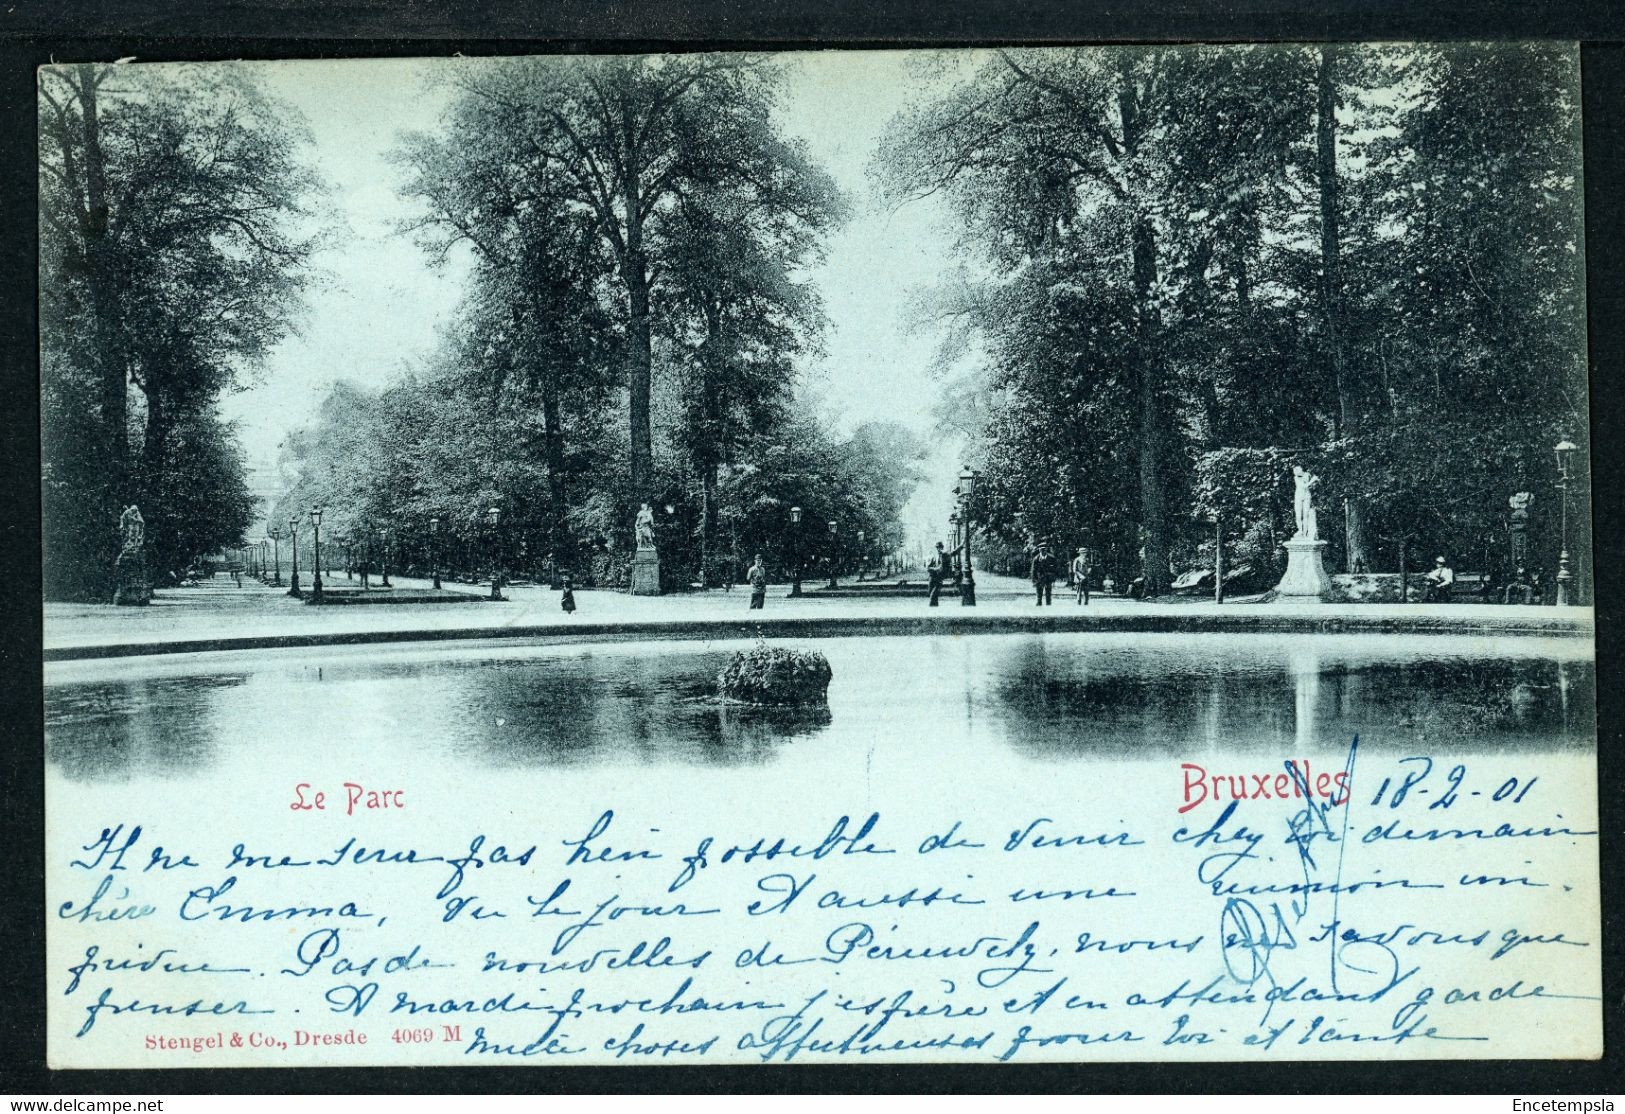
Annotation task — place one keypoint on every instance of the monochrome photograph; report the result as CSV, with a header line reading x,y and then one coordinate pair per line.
x,y
881,556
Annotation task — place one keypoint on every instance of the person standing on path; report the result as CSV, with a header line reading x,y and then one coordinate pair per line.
x,y
1080,575
568,600
939,569
758,584
1043,575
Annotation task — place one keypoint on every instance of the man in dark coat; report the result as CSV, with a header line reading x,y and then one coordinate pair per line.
x,y
758,584
939,569
1043,574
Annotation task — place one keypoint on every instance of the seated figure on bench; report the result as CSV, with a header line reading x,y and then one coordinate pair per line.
x,y
1438,582
1521,589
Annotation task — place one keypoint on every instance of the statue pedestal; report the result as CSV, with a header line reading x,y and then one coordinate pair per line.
x,y
1305,578
133,589
646,572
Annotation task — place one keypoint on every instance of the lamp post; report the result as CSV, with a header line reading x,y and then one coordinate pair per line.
x,y
1218,558
316,562
265,559
863,554
832,583
383,556
967,490
293,538
493,515
795,541
276,550
434,536
1565,450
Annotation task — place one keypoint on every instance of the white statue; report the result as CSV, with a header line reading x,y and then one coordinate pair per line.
x,y
646,528
1303,506
133,527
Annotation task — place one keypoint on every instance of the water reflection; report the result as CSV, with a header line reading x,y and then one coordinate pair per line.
x,y
148,724
1294,697
950,702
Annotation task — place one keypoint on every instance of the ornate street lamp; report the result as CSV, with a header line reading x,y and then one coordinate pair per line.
x,y
383,556
493,515
434,536
1565,450
795,530
276,549
832,583
316,563
967,491
293,537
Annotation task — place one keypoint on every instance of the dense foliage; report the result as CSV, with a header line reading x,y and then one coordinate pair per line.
x,y
173,249
632,332
1193,267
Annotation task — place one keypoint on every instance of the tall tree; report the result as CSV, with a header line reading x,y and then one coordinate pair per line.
x,y
533,331
631,136
1041,150
175,238
740,316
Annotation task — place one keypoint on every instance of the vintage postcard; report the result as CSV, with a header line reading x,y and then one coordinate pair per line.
x,y
973,556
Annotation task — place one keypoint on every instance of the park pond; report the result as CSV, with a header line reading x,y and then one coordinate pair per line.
x,y
897,705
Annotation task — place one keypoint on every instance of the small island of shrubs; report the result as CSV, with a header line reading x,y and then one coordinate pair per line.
x,y
773,676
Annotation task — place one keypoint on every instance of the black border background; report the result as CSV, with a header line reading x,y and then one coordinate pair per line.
x,y
33,32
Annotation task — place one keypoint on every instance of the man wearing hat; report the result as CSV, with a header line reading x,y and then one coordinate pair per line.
x,y
939,569
1439,582
757,579
1080,575
1043,574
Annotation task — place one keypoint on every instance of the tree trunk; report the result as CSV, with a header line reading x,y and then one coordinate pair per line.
x,y
708,524
154,441
111,369
708,441
639,361
1148,362
553,435
1149,367
635,274
1331,292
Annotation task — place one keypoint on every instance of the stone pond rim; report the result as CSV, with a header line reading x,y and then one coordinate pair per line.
x,y
1238,621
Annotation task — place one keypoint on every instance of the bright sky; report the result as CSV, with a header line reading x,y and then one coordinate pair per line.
x,y
379,303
